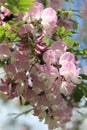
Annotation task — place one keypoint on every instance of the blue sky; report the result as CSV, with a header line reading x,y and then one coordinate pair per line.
x,y
77,5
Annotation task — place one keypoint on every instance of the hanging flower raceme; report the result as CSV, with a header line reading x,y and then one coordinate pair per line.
x,y
37,66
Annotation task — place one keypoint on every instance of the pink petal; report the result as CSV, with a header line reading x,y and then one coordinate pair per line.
x,y
50,57
67,56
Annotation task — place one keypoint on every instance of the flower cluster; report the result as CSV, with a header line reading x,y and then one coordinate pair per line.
x,y
40,72
47,17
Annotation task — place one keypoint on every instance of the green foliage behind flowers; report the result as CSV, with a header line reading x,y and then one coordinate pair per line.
x,y
17,6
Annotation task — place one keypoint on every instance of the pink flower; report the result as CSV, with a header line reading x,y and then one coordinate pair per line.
x,y
50,57
5,11
63,88
26,17
39,45
39,39
34,13
67,57
49,20
48,69
40,48
4,52
49,16
59,48
20,61
25,29
48,72
70,73
66,87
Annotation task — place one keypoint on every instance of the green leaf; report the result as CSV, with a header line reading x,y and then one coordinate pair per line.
x,y
13,8
11,2
1,63
24,5
1,4
85,51
18,6
25,2
63,14
82,52
45,3
2,34
77,94
23,8
68,33
75,24
62,30
71,43
11,5
84,77
80,91
79,52
48,41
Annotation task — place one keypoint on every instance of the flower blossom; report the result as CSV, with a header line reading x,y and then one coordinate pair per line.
x,y
5,11
59,48
67,57
66,87
47,17
49,20
34,13
26,28
70,73
50,57
48,72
